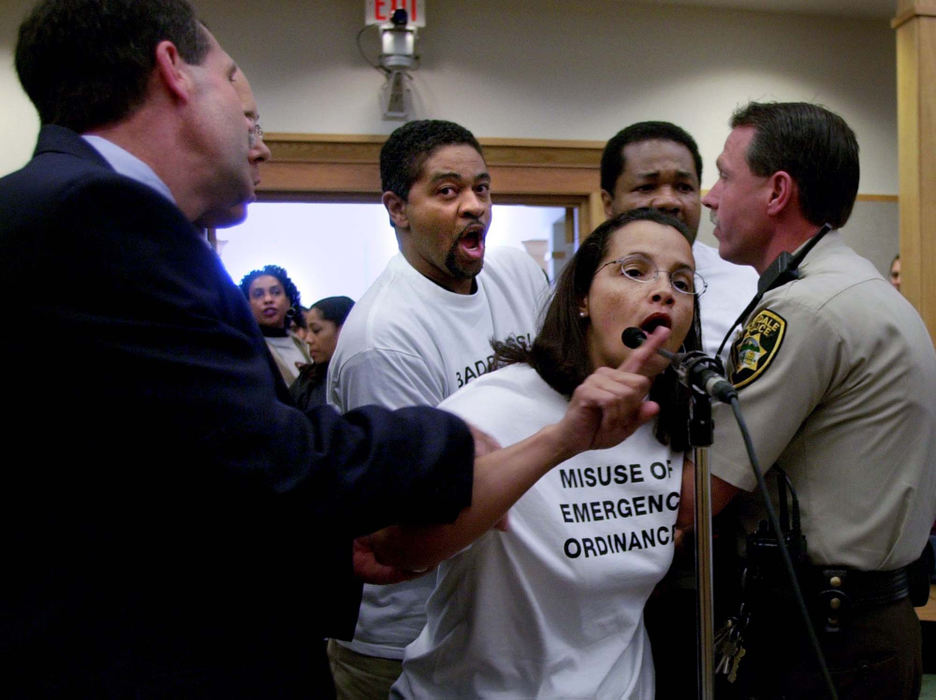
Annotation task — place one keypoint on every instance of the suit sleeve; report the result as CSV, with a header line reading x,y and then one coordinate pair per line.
x,y
159,491
166,364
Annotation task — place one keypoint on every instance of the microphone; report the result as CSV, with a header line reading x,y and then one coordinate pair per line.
x,y
695,370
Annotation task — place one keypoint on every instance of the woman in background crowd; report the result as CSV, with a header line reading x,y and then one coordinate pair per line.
x,y
324,319
274,301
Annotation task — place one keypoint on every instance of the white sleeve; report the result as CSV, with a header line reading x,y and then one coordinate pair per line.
x,y
388,378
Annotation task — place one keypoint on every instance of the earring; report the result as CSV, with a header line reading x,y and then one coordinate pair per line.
x,y
583,313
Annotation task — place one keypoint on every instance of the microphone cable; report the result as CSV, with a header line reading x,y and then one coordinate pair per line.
x,y
784,552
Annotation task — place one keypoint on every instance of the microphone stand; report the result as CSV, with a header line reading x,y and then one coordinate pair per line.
x,y
703,377
700,437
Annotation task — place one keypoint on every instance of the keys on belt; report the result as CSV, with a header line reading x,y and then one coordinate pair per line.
x,y
729,645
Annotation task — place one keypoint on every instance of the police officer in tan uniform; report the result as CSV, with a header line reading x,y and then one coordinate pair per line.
x,y
837,382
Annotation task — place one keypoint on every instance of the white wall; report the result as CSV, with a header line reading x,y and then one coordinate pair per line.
x,y
572,69
577,69
19,123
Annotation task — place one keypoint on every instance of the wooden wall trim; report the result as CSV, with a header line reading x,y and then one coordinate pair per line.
x,y
346,168
911,9
335,166
366,148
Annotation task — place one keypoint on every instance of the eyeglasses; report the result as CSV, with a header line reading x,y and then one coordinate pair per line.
x,y
254,135
639,268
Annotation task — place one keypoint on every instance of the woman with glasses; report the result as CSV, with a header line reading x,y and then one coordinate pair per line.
x,y
552,604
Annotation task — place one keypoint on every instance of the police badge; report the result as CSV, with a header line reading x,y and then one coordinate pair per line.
x,y
757,346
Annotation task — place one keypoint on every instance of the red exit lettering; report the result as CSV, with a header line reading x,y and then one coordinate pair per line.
x,y
384,9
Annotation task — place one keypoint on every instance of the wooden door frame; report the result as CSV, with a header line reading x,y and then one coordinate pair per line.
x,y
345,168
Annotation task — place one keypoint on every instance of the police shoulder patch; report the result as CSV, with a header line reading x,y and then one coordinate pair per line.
x,y
753,352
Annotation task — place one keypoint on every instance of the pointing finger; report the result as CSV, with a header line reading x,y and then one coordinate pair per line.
x,y
639,360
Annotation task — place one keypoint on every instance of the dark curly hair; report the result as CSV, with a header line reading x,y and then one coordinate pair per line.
x,y
292,293
559,353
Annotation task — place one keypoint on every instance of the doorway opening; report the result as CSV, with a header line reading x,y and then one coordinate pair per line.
x,y
332,249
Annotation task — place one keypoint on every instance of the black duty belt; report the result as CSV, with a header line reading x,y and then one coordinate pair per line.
x,y
861,588
840,591
831,592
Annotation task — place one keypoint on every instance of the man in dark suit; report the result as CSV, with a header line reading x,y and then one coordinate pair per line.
x,y
170,524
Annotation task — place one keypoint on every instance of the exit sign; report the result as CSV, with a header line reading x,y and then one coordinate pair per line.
x,y
380,11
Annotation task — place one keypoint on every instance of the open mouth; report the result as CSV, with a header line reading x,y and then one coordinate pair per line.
x,y
471,241
651,323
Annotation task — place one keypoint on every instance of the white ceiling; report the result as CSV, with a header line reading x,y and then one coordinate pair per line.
x,y
877,9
